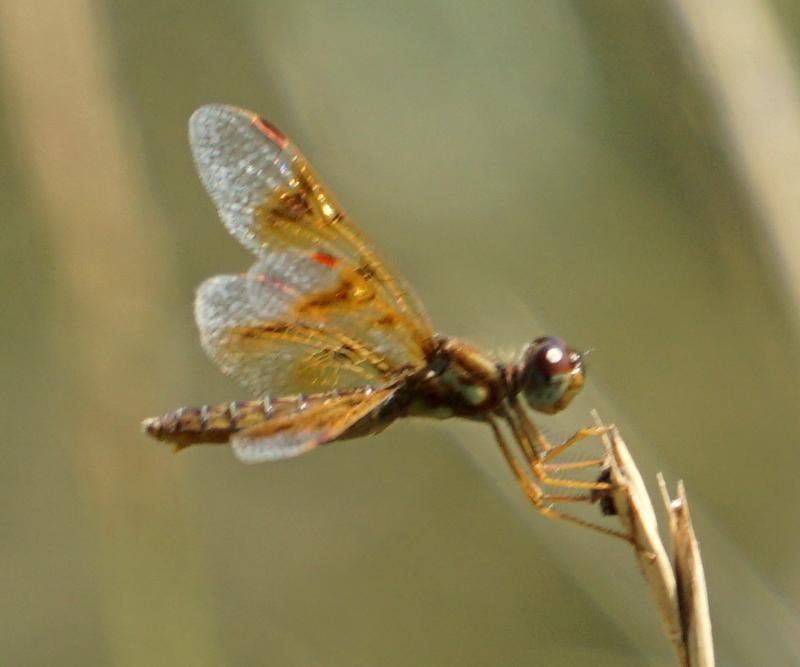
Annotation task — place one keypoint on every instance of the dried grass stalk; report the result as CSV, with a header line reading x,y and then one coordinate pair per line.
x,y
678,587
691,579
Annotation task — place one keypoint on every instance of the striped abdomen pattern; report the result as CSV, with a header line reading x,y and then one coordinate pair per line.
x,y
216,423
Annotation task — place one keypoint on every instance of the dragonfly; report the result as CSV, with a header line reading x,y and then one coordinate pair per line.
x,y
333,344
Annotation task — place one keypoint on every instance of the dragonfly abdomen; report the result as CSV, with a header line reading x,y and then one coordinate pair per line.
x,y
217,423
209,423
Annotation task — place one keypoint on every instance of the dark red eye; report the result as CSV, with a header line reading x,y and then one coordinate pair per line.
x,y
550,374
549,356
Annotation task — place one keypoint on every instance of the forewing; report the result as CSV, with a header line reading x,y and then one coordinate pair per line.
x,y
270,199
274,356
295,434
241,165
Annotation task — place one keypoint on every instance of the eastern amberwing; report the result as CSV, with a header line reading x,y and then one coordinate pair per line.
x,y
333,343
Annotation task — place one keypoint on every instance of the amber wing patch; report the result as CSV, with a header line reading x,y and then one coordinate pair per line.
x,y
318,310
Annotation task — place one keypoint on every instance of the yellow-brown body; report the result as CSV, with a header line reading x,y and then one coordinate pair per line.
x,y
459,381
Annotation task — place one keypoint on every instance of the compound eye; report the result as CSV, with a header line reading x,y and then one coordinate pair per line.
x,y
551,374
550,357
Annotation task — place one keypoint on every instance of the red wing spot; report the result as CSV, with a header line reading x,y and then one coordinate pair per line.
x,y
270,131
324,259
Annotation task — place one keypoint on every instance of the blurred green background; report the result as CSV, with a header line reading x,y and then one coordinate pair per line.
x,y
621,174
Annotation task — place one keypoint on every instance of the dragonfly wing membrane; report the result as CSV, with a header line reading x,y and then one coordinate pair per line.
x,y
270,199
312,288
293,435
274,356
237,167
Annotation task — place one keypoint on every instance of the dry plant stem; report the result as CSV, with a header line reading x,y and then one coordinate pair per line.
x,y
691,580
679,593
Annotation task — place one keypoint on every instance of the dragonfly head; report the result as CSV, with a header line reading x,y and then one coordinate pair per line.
x,y
549,375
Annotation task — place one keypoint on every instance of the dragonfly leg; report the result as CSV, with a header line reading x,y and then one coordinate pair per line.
x,y
544,450
543,470
526,433
541,501
576,437
576,465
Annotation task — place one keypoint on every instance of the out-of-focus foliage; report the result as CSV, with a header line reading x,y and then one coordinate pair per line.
x,y
552,166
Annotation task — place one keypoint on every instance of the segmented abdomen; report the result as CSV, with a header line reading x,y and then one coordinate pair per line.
x,y
216,423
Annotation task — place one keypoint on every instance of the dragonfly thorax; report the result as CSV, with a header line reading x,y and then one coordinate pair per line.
x,y
460,381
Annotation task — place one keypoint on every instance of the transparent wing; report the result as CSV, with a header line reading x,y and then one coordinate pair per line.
x,y
270,199
295,434
241,164
272,355
315,290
